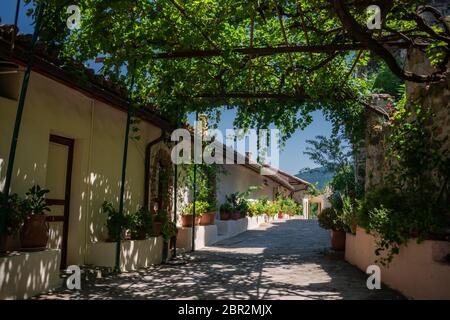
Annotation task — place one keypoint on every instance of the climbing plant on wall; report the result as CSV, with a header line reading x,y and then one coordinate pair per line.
x,y
161,181
414,200
208,176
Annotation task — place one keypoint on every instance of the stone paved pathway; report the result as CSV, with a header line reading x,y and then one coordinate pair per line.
x,y
282,260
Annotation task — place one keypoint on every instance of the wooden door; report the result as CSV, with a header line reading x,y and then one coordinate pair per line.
x,y
59,176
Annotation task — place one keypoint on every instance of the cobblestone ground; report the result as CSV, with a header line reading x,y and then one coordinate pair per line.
x,y
282,260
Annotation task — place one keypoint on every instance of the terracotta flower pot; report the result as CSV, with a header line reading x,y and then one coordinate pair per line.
x,y
235,215
186,221
34,234
338,240
207,219
225,216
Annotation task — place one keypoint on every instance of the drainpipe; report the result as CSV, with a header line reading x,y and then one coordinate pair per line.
x,y
123,178
148,154
20,107
175,199
195,190
16,21
193,213
175,194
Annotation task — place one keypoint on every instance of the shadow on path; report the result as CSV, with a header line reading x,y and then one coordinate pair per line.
x,y
282,260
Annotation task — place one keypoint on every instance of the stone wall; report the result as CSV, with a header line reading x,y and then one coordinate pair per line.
x,y
436,97
433,96
375,141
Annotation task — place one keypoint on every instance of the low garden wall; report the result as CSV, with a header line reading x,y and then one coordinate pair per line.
x,y
230,228
222,229
418,271
25,274
204,236
134,254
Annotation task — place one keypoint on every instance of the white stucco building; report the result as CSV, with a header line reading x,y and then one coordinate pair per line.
x,y
71,142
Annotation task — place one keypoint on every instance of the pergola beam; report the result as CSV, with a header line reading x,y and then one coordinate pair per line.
x,y
261,51
268,51
251,95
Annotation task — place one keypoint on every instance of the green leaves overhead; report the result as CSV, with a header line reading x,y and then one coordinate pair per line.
x,y
275,61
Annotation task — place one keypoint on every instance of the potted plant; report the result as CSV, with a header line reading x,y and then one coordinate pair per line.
x,y
14,219
330,220
285,205
242,207
115,222
239,205
290,207
280,215
188,212
225,211
280,204
236,215
168,231
158,220
349,214
254,208
298,210
209,217
140,224
272,209
259,207
34,233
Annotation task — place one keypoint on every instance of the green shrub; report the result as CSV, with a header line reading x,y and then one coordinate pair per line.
x,y
349,214
212,206
288,206
140,224
299,210
272,208
395,218
168,230
15,214
385,197
330,220
242,206
34,202
226,207
256,208
201,207
115,222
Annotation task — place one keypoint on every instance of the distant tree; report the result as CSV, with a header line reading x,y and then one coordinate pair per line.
x,y
313,190
334,155
330,153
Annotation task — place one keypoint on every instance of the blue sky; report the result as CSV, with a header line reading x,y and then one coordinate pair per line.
x,y
7,13
292,158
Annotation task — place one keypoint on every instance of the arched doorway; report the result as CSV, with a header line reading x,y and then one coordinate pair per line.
x,y
161,184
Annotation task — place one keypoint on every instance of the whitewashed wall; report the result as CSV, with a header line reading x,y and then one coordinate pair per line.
x,y
98,131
